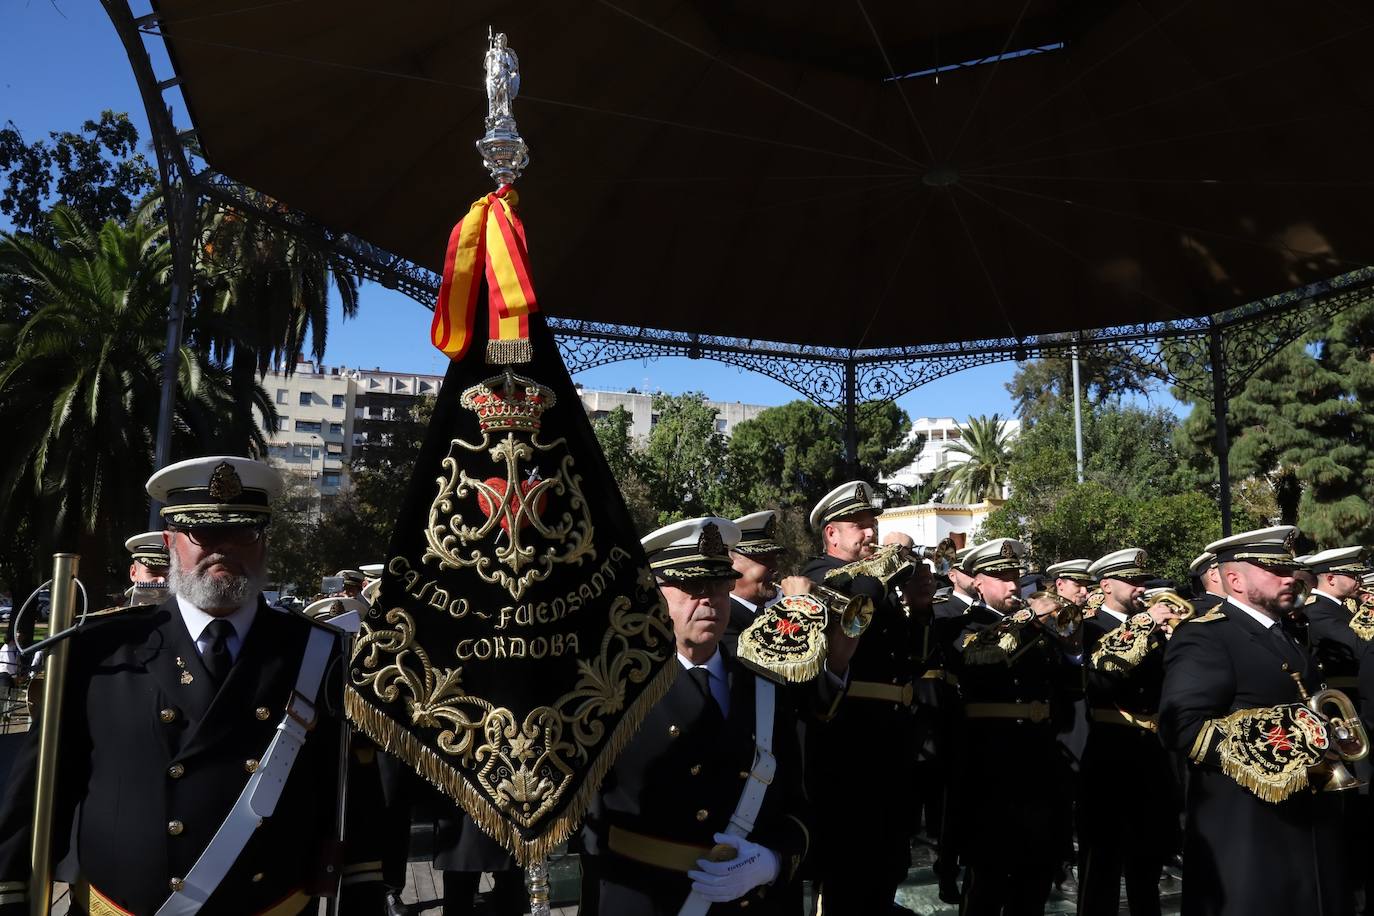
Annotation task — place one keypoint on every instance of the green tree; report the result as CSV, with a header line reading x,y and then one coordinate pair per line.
x,y
96,172
683,460
986,447
81,381
1302,437
793,455
613,433
1043,384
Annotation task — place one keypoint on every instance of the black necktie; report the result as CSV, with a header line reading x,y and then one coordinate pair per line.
x,y
217,659
702,677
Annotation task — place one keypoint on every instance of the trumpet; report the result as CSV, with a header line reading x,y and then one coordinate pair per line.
x,y
891,564
1063,622
852,613
1349,742
1181,607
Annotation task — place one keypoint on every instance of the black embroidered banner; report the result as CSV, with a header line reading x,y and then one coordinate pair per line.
x,y
518,638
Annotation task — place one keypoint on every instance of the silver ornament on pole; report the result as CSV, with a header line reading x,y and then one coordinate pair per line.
x,y
503,150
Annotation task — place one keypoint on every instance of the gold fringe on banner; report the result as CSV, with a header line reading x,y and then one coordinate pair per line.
x,y
1266,786
509,352
439,772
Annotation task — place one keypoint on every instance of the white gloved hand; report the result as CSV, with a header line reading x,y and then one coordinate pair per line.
x,y
721,882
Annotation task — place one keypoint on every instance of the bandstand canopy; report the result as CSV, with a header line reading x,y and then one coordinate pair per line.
x,y
752,169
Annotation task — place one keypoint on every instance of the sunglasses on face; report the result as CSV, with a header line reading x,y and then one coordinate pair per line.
x,y
233,535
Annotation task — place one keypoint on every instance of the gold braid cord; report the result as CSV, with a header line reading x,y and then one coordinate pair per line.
x,y
1362,621
1269,750
1121,650
999,642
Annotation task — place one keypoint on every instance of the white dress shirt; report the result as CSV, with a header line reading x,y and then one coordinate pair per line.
x,y
197,621
720,687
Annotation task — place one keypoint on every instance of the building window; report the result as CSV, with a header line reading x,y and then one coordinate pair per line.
x,y
283,423
307,426
305,453
340,402
720,424
331,478
282,395
336,429
305,398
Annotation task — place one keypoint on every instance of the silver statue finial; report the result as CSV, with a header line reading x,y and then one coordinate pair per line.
x,y
503,151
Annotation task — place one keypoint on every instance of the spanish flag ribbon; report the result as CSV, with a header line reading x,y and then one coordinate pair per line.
x,y
491,238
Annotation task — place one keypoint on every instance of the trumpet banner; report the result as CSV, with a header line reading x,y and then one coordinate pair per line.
x,y
518,638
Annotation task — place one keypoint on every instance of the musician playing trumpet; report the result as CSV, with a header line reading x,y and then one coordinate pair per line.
x,y
1017,677
1123,675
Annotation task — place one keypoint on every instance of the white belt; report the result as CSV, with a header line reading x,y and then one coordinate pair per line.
x,y
755,787
259,797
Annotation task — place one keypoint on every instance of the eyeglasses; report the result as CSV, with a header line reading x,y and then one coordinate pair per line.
x,y
233,535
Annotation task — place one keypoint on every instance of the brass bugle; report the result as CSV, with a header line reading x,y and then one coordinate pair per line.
x,y
1349,741
1065,620
853,613
61,613
1181,607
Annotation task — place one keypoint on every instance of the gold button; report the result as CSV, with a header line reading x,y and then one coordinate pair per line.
x,y
175,827
743,904
703,814
262,713
743,774
250,765
168,715
176,771
176,884
257,877
674,731
696,770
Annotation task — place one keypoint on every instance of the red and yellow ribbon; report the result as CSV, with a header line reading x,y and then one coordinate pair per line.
x,y
490,238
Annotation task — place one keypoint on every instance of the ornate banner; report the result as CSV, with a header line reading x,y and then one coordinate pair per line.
x,y
518,638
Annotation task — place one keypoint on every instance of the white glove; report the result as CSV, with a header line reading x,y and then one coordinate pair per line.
x,y
721,882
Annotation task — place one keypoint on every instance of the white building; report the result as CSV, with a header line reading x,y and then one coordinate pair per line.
x,y
940,433
325,412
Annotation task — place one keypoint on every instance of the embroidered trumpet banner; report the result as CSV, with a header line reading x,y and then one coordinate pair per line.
x,y
518,638
489,241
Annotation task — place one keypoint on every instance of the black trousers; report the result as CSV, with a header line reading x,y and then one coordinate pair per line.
x,y
507,897
1007,889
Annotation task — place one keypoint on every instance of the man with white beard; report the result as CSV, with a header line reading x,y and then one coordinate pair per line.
x,y
200,736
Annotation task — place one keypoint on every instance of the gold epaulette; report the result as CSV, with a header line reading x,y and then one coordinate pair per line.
x,y
1125,647
997,643
1362,621
1210,617
1310,599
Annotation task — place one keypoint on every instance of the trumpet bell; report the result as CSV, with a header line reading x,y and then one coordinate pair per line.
x,y
853,612
1338,777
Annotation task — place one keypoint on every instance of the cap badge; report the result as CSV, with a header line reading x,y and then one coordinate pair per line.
x,y
225,485
1140,558
861,495
1291,540
710,544
1007,552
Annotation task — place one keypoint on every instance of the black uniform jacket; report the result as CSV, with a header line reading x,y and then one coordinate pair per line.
x,y
679,779
156,757
1036,678
740,618
880,732
1338,647
1244,855
1120,754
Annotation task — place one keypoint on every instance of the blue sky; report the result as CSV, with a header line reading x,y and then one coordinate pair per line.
x,y
61,63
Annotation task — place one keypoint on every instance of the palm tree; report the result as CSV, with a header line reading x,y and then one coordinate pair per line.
x,y
80,378
987,448
264,292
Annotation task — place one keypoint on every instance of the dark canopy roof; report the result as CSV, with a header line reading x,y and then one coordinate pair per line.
x,y
747,168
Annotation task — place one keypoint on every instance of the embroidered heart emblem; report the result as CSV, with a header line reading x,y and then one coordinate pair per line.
x,y
517,501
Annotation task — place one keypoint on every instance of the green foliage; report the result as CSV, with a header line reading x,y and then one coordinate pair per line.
x,y
96,173
1302,437
1043,385
683,461
81,382
986,447
1131,495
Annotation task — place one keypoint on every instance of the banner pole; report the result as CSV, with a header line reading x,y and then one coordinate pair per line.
x,y
537,883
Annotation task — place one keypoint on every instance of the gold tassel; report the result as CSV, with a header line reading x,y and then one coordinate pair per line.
x,y
394,739
509,352
1265,788
793,671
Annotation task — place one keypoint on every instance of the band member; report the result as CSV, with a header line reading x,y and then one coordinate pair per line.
x,y
1332,629
147,568
686,809
756,559
1123,651
172,710
1072,580
353,582
1207,588
859,872
1016,678
1258,839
